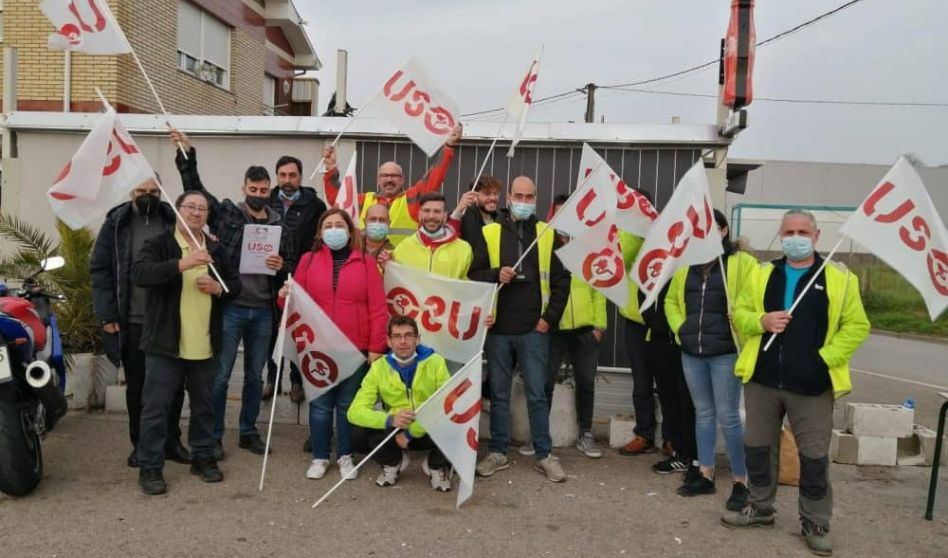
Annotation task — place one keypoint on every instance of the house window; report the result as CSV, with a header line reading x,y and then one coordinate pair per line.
x,y
203,45
269,94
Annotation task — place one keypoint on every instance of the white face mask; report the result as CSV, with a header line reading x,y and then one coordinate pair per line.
x,y
406,361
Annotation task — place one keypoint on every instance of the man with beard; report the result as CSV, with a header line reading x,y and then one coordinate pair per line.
x,y
436,247
120,306
487,189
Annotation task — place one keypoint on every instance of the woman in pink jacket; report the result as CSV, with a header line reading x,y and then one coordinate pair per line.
x,y
346,284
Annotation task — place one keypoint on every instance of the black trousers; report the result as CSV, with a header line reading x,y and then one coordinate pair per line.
x,y
583,351
643,386
678,411
364,440
133,361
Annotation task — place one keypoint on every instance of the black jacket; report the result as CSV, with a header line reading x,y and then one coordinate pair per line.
x,y
301,217
793,362
706,330
519,302
110,269
471,224
157,270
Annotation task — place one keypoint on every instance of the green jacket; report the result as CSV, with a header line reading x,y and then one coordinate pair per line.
x,y
631,245
740,272
847,328
585,307
383,383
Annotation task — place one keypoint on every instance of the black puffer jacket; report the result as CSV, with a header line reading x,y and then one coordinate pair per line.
x,y
300,217
706,330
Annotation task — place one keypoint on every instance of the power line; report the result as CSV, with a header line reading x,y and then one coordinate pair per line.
x,y
785,100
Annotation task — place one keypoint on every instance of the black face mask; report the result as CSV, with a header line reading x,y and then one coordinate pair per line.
x,y
146,203
256,203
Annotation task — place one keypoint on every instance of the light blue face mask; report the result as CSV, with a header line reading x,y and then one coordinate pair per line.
x,y
522,211
335,239
797,248
376,231
292,197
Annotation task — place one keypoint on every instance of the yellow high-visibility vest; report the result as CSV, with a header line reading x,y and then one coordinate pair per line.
x,y
545,254
401,224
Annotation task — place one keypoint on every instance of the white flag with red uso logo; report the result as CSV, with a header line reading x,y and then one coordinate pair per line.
x,y
684,234
418,108
323,353
348,197
595,257
898,223
84,26
519,104
450,313
106,167
451,417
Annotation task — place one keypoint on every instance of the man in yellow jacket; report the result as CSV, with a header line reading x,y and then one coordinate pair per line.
x,y
436,246
402,380
800,375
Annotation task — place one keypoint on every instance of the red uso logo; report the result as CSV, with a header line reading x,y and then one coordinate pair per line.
x,y
629,198
317,367
402,302
916,239
438,120
110,168
603,269
526,88
465,417
73,31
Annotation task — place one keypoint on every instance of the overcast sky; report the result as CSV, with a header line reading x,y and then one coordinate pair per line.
x,y
876,50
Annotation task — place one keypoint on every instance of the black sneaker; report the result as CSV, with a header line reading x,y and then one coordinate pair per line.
x,y
692,474
218,450
673,464
133,459
152,482
253,443
738,499
703,485
207,469
178,453
817,538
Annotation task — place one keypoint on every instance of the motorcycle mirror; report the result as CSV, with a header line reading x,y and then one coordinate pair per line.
x,y
53,263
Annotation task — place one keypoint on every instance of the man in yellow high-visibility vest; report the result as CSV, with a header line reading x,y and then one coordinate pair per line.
x,y
402,203
436,247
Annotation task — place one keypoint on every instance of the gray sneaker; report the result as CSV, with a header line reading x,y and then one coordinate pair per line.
x,y
750,516
491,464
817,538
587,445
389,475
550,466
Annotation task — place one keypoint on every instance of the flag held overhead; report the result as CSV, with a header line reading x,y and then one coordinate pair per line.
x,y
84,26
415,104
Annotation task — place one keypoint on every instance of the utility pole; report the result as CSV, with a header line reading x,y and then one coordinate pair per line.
x,y
590,91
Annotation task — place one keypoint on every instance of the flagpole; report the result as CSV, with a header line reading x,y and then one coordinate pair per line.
x,y
191,235
730,307
807,287
491,149
392,433
281,336
321,166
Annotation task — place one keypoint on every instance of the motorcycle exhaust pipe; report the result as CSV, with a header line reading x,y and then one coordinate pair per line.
x,y
39,376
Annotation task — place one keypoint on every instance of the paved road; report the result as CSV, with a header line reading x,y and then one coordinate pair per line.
x,y
904,358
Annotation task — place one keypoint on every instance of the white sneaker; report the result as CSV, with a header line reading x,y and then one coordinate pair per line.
x,y
389,474
527,450
347,468
317,469
441,480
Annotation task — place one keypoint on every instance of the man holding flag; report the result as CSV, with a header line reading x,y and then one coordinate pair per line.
x,y
800,375
402,203
402,380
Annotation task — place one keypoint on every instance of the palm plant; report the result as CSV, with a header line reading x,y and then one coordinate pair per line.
x,y
31,245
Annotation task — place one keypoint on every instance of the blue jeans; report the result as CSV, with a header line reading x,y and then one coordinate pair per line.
x,y
716,393
532,351
321,410
253,326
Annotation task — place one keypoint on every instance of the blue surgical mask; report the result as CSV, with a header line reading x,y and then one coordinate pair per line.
x,y
335,239
522,211
292,197
797,248
376,231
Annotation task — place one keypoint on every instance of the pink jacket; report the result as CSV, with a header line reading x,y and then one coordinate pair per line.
x,y
357,306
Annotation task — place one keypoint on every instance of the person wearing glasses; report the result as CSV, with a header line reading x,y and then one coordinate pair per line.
x,y
181,337
402,203
402,380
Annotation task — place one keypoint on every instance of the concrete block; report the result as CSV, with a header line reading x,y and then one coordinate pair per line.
x,y
78,387
621,430
926,441
519,418
850,449
879,421
115,399
563,427
909,452
287,412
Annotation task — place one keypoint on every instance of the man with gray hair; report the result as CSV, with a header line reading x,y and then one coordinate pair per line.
x,y
800,375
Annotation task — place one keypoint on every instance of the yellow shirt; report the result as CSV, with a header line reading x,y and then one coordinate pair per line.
x,y
195,340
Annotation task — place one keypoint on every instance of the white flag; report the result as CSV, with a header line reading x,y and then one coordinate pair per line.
x,y
450,312
451,417
348,197
84,26
593,200
595,257
520,103
106,167
898,223
323,353
684,234
634,213
417,107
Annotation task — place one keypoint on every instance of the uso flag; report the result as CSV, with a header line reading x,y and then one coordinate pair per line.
x,y
348,197
520,103
595,257
84,26
451,417
450,313
106,167
898,223
323,353
418,108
